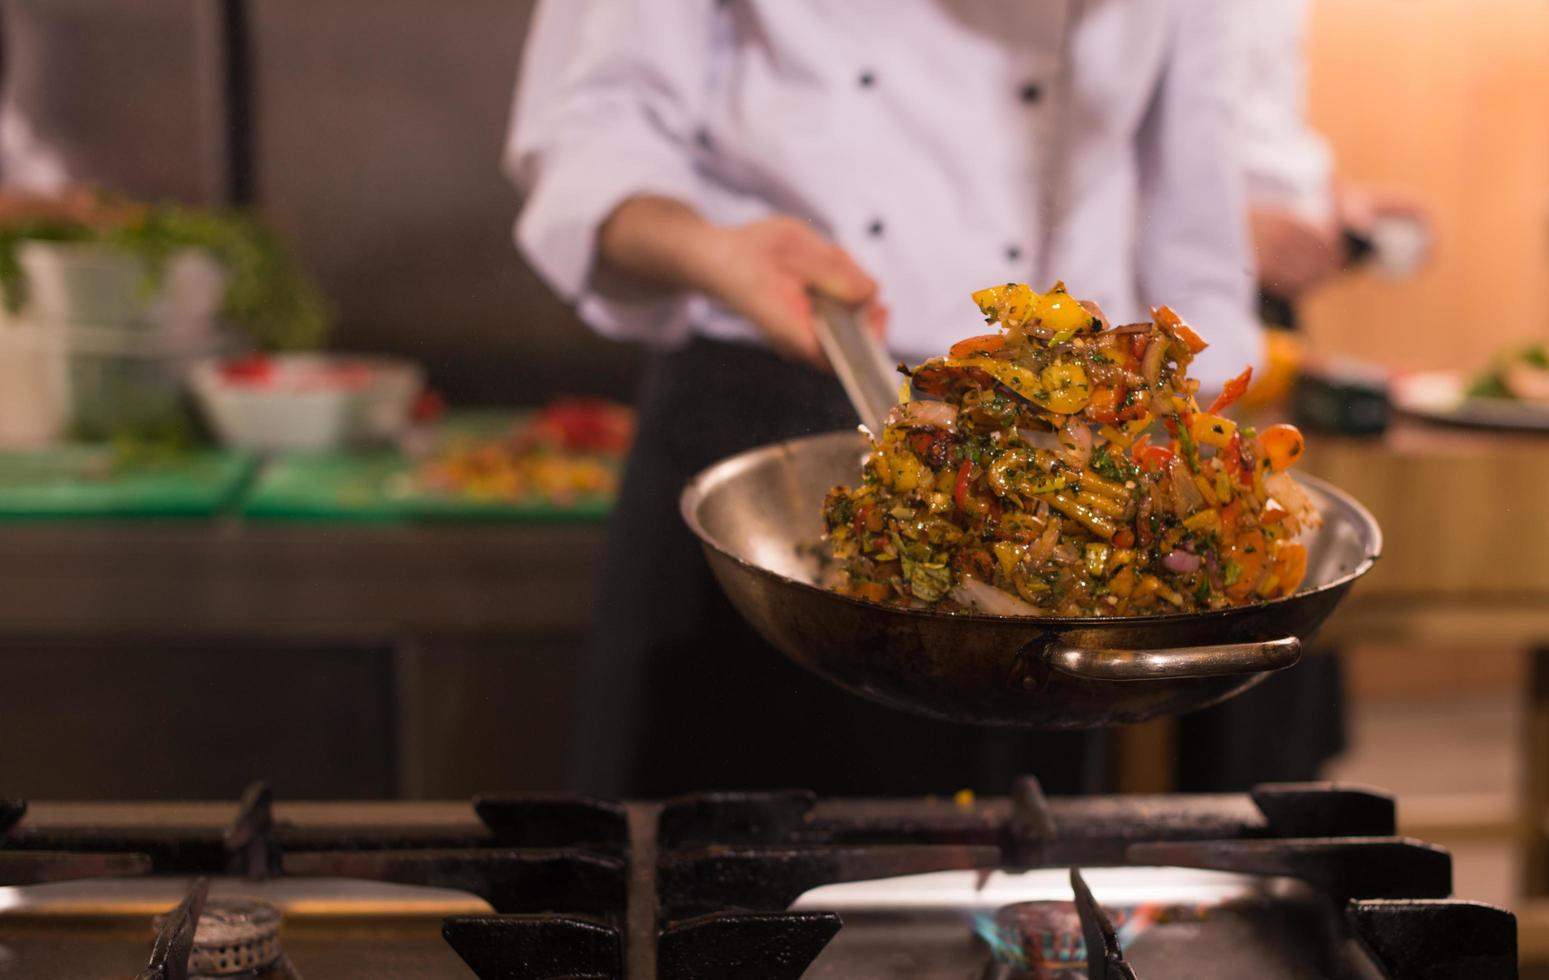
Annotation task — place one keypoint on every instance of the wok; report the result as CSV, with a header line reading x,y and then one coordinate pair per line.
x,y
758,515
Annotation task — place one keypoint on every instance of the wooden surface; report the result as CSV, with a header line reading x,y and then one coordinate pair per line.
x,y
318,581
1465,521
188,659
1535,778
1447,99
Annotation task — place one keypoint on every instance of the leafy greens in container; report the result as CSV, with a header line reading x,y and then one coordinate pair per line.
x,y
268,297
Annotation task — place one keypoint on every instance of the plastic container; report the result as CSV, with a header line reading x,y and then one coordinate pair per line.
x,y
133,380
129,336
35,405
307,402
88,283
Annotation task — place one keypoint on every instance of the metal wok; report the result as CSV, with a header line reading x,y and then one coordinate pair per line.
x,y
758,516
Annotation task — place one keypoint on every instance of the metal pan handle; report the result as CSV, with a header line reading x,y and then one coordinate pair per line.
x,y
858,359
1174,663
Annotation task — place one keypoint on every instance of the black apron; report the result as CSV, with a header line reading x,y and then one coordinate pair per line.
x,y
1281,731
681,695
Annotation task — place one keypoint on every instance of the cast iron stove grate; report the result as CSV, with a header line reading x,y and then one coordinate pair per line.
x,y
701,886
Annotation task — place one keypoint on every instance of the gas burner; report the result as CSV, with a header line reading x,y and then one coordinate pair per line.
x,y
234,938
1046,940
224,939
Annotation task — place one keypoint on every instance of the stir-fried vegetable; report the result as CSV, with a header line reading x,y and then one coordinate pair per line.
x,y
990,490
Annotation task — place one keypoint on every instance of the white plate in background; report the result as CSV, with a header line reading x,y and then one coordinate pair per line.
x,y
1442,396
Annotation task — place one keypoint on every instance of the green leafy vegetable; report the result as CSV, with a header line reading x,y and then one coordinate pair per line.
x,y
268,296
928,581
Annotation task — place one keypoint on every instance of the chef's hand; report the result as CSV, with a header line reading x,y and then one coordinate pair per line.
x,y
1361,206
1294,254
762,270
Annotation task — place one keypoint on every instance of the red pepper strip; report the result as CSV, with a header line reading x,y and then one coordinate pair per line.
x,y
960,490
1172,324
1192,340
986,344
1232,459
1155,459
1104,406
1234,390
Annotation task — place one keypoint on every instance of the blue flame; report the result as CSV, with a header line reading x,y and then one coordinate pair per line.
x,y
1053,953
1004,945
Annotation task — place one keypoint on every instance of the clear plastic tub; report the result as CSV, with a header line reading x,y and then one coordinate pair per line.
x,y
129,337
131,380
83,282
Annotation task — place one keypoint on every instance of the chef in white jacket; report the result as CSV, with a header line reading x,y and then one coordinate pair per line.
x,y
691,168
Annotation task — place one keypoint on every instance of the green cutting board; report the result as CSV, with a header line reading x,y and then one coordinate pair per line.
x,y
83,481
327,488
378,488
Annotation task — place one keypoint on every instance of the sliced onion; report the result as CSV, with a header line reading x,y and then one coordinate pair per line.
x,y
1075,443
1180,561
1128,328
987,598
1292,499
924,414
1090,305
1143,513
1039,439
1039,551
1151,361
1108,374
1186,495
1066,554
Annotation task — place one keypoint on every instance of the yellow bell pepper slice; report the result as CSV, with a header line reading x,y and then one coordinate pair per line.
x,y
1065,388
1059,311
1009,305
1019,379
1212,430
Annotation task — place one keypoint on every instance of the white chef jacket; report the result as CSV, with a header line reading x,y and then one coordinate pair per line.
x,y
946,144
1286,162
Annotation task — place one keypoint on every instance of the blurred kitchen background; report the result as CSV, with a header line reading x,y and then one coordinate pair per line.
x,y
348,647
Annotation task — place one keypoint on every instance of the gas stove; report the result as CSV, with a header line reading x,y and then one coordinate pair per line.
x,y
1285,881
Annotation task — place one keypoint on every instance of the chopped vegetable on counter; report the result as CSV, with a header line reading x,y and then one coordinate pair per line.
x,y
569,449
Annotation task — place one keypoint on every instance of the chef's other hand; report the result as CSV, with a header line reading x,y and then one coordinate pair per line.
x,y
1361,206
761,270
1294,254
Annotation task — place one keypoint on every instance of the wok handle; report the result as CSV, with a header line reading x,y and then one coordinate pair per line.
x,y
1174,663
